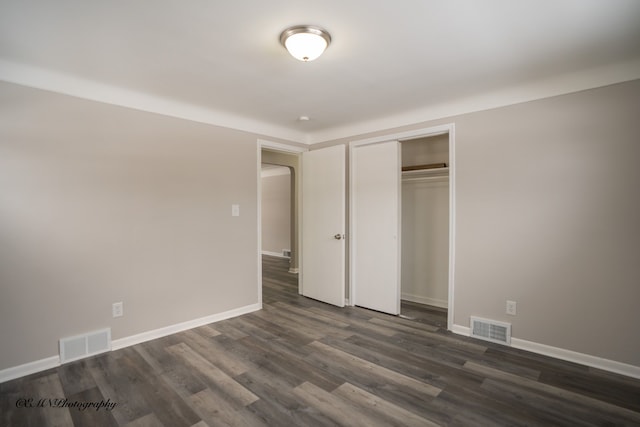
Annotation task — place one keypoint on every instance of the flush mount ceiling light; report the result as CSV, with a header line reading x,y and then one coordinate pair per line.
x,y
305,42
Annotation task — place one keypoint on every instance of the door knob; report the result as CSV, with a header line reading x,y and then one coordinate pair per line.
x,y
338,236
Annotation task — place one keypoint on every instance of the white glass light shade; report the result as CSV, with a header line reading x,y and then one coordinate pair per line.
x,y
305,42
305,47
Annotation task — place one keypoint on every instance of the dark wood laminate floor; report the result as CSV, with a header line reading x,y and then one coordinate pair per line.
x,y
299,362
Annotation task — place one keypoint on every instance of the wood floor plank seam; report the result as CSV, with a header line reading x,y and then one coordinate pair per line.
x,y
300,362
212,351
233,391
376,370
334,407
558,393
545,405
389,413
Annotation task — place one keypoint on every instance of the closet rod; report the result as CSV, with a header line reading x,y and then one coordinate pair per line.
x,y
424,167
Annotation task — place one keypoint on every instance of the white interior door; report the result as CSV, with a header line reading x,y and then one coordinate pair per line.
x,y
323,224
375,226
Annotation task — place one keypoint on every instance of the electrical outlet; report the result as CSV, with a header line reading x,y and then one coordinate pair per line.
x,y
511,308
117,309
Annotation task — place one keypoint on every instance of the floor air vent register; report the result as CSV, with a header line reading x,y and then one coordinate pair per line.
x,y
85,345
491,330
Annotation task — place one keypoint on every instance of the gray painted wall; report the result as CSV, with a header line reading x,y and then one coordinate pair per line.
x,y
547,209
100,204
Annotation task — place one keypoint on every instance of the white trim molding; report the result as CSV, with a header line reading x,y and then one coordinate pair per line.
x,y
567,355
425,300
29,368
580,358
179,327
278,146
259,219
525,92
452,223
68,84
404,136
461,330
276,254
54,361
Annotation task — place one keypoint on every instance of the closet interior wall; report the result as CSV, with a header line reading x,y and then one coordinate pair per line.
x,y
425,222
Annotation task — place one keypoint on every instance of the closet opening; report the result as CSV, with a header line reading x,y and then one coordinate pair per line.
x,y
425,228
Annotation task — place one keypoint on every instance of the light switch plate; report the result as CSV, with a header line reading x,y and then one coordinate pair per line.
x,y
235,210
117,309
511,308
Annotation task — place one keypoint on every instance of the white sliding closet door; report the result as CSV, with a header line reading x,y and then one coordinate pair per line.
x,y
375,226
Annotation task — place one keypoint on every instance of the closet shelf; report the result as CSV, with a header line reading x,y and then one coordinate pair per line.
x,y
432,172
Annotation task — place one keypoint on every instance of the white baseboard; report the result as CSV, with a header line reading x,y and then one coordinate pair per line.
x,y
425,300
29,368
581,358
276,254
54,361
563,354
179,327
461,330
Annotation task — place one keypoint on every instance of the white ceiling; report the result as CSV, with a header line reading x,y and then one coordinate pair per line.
x,y
390,63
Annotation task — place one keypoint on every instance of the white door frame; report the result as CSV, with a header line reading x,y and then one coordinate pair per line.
x,y
289,149
405,136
